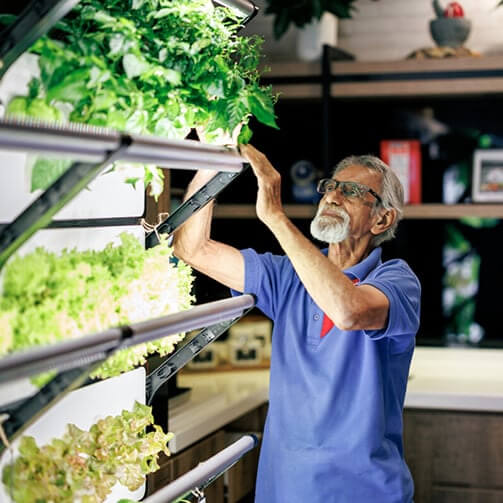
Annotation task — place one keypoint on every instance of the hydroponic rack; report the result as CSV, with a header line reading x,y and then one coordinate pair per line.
x,y
91,150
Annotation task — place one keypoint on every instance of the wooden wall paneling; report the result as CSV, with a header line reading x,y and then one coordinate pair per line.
x,y
466,495
468,449
418,441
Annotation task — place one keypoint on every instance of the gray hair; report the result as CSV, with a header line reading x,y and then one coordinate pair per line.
x,y
391,189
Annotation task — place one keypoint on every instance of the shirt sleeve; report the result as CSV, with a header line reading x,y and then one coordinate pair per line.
x,y
397,281
263,279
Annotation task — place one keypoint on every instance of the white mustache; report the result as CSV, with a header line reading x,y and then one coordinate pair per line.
x,y
326,228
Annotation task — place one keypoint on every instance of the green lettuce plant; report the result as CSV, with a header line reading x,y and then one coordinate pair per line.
x,y
158,67
49,297
85,465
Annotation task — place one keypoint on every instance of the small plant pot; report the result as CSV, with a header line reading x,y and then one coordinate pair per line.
x,y
450,32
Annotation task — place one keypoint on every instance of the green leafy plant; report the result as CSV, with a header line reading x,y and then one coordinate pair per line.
x,y
49,297
157,67
85,465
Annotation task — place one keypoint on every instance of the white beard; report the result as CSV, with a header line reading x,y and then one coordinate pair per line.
x,y
328,229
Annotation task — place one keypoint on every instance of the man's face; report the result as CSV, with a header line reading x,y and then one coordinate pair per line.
x,y
340,217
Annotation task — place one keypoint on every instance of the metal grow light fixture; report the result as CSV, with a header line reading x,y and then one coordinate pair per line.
x,y
194,481
96,148
99,346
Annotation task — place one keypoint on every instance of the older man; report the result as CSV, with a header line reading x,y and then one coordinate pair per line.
x,y
344,332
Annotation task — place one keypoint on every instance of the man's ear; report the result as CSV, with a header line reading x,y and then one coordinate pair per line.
x,y
385,219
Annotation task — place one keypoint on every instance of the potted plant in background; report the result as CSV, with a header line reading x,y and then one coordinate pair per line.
x,y
316,18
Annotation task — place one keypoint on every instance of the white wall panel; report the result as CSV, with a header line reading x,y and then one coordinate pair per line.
x,y
391,29
86,238
107,196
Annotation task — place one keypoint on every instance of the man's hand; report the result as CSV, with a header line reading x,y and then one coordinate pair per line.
x,y
269,207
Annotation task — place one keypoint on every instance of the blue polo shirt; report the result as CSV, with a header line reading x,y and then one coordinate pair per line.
x,y
334,427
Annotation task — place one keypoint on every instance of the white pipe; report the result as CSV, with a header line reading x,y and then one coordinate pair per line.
x,y
69,354
92,144
204,472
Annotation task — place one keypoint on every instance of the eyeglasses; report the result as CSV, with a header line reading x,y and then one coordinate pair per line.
x,y
351,190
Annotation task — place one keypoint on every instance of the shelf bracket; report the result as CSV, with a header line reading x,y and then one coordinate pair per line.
x,y
199,200
39,214
185,354
36,19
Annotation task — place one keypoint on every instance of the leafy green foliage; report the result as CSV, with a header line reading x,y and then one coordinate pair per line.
x,y
156,67
48,297
302,12
85,465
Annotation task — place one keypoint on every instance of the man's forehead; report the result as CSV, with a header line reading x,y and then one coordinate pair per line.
x,y
357,173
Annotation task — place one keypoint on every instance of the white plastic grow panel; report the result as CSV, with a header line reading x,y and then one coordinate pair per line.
x,y
84,407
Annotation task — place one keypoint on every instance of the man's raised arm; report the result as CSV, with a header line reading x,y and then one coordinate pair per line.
x,y
194,245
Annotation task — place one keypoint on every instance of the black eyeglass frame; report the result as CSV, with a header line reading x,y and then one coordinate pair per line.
x,y
364,189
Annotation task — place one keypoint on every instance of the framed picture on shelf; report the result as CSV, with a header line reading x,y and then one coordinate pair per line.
x,y
487,176
404,158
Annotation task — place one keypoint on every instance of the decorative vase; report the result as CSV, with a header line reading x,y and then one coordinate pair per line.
x,y
312,37
450,32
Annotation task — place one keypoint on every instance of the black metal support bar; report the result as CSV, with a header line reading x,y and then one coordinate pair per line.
x,y
185,354
61,192
192,205
34,21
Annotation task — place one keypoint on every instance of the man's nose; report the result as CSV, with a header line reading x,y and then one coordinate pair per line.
x,y
334,196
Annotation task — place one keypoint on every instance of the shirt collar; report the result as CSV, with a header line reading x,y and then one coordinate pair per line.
x,y
361,270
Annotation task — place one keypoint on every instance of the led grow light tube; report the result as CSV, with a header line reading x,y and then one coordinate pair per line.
x,y
93,145
70,354
204,473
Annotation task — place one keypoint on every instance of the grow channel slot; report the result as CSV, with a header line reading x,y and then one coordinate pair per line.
x,y
194,481
36,19
185,354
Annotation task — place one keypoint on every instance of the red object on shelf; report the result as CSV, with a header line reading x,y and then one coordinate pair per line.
x,y
404,158
454,9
